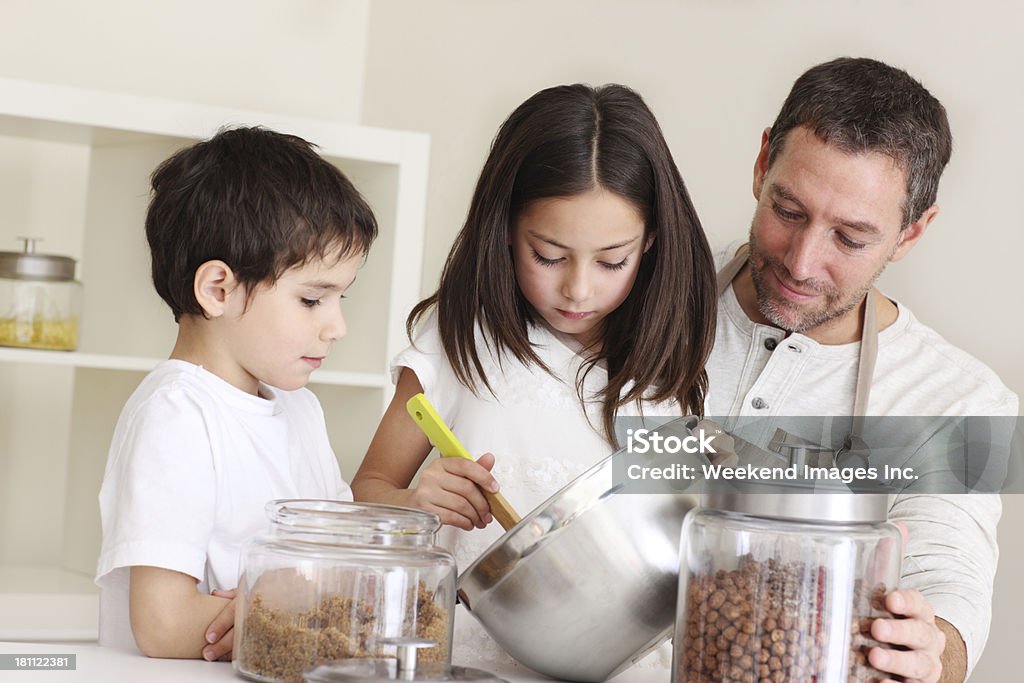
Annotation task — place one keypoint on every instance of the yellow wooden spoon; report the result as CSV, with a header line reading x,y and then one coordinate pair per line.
x,y
431,424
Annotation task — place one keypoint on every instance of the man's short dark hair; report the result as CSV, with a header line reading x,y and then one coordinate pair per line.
x,y
862,105
260,201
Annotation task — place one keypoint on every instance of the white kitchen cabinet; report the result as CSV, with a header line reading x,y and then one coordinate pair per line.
x,y
74,170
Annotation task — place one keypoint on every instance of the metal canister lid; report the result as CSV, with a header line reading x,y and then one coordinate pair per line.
x,y
792,501
404,668
29,265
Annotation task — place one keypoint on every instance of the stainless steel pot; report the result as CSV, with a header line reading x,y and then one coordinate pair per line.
x,y
586,583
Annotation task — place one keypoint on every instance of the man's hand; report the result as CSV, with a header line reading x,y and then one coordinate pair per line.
x,y
221,632
917,631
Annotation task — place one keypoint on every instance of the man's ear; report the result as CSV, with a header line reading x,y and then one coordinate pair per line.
x,y
213,286
761,164
913,232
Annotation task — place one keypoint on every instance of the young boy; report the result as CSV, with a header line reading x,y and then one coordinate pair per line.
x,y
254,239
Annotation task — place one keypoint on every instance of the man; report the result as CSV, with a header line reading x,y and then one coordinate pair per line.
x,y
845,183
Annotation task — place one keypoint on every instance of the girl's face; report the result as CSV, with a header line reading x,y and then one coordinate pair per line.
x,y
576,258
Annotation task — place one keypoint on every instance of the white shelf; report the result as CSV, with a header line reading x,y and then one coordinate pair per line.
x,y
101,361
66,113
30,597
107,122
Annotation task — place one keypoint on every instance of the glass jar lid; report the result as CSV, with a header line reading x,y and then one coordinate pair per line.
x,y
386,671
404,668
311,516
29,265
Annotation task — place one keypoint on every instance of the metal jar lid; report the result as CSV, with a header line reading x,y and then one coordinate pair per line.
x,y
801,502
404,668
28,265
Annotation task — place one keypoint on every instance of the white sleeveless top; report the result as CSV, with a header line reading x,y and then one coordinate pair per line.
x,y
535,426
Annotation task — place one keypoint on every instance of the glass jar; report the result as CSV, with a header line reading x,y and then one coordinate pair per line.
x,y
783,587
40,300
331,580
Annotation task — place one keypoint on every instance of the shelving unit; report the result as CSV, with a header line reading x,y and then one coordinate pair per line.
x,y
99,361
74,170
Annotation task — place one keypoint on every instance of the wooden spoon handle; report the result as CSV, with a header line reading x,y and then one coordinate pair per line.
x,y
501,509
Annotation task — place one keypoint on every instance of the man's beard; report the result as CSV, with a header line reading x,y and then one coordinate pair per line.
x,y
792,317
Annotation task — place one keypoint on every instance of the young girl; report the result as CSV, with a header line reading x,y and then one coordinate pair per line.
x,y
580,288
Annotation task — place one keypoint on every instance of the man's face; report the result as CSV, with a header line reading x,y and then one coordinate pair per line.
x,y
827,224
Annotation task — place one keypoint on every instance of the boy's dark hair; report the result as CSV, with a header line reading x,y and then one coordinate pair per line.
x,y
862,105
260,201
561,142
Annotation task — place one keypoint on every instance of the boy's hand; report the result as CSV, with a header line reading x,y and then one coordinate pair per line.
x,y
170,617
450,488
221,633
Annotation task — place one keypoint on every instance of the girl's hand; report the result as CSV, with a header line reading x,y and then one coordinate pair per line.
x,y
450,488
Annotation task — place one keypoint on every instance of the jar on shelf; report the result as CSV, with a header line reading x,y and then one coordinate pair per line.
x,y
332,580
783,586
40,300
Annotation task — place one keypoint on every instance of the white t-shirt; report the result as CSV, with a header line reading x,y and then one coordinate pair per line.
x,y
951,554
533,424
192,464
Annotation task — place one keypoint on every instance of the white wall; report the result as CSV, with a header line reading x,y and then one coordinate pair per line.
x,y
301,57
715,74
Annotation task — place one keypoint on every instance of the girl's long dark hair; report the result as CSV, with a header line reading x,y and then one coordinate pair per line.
x,y
561,142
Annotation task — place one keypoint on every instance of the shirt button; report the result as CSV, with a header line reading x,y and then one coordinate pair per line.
x,y
770,343
759,403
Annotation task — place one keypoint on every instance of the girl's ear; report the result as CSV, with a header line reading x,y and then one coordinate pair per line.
x,y
649,243
213,285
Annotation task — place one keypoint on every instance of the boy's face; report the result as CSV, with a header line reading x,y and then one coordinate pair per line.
x,y
289,326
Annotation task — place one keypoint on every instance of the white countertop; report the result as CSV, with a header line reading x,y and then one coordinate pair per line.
x,y
100,664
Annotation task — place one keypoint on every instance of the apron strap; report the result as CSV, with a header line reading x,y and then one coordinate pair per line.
x,y
866,364
731,269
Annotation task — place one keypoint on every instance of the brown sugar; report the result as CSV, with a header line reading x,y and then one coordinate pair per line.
x,y
281,645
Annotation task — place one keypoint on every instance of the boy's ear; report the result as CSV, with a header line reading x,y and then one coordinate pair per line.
x,y
213,285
